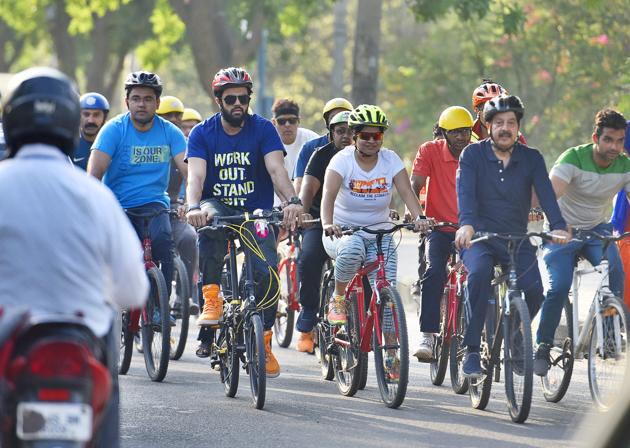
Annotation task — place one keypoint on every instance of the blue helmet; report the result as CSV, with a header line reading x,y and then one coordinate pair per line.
x,y
93,100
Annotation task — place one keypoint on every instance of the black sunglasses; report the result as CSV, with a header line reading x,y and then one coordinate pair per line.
x,y
283,121
231,99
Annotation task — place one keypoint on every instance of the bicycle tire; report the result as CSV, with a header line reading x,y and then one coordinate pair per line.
x,y
393,390
322,328
346,360
126,345
518,361
255,347
180,289
556,382
363,370
479,389
229,360
459,384
441,348
614,314
157,297
285,315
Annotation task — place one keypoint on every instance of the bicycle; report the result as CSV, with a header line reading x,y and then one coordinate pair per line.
x,y
507,326
602,340
156,342
288,303
454,315
381,327
179,303
322,329
240,336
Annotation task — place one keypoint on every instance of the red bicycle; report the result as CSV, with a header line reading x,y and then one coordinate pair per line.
x,y
153,320
288,303
454,315
381,327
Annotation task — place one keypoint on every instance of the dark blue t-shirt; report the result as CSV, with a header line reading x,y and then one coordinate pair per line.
x,y
82,153
235,172
306,152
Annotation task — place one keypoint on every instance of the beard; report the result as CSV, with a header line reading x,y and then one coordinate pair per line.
x,y
231,119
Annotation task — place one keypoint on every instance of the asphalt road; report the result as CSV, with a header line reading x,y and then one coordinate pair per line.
x,y
189,409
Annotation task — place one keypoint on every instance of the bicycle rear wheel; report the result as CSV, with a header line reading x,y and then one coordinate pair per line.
x,y
518,361
479,388
228,360
441,346
180,308
322,328
558,378
156,333
255,346
391,349
346,360
459,384
126,345
285,316
608,352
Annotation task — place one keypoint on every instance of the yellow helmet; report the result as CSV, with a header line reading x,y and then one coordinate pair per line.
x,y
336,103
170,104
455,117
191,114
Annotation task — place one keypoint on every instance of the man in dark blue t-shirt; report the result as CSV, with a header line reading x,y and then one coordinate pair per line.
x,y
94,110
235,161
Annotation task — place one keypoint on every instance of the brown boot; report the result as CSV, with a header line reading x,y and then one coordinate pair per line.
x,y
212,306
305,343
271,366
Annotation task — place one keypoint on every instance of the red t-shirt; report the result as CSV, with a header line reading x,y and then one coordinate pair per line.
x,y
435,161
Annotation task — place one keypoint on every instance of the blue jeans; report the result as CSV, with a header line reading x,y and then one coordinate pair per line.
x,y
310,265
438,249
480,260
162,245
560,261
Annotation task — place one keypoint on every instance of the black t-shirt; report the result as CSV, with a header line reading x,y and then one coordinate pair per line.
x,y
317,168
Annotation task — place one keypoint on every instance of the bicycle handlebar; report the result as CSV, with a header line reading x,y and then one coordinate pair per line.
x,y
598,236
484,236
349,230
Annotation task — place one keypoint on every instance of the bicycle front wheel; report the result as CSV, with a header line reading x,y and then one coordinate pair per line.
x,y
479,388
347,359
608,352
556,382
228,360
180,308
255,346
518,361
285,316
459,384
322,328
126,345
156,333
441,346
391,349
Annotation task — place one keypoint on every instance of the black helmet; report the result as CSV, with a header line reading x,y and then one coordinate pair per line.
x,y
503,103
144,79
42,106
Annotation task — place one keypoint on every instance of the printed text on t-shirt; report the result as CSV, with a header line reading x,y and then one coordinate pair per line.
x,y
232,170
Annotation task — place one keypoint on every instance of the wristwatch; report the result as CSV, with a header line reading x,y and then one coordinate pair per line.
x,y
190,207
294,201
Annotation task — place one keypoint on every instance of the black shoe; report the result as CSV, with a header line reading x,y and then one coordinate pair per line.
x,y
472,365
542,361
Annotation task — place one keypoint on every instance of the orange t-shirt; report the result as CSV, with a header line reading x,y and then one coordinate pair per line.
x,y
435,162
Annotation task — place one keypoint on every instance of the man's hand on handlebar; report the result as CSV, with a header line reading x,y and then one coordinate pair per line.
x,y
198,218
560,236
292,216
463,236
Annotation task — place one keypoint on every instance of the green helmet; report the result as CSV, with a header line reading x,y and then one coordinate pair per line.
x,y
341,117
368,115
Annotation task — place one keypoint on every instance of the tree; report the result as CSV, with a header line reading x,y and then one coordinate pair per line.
x,y
365,61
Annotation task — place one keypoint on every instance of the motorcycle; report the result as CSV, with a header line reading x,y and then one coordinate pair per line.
x,y
54,381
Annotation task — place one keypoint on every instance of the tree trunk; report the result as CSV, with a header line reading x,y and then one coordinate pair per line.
x,y
366,52
340,37
64,44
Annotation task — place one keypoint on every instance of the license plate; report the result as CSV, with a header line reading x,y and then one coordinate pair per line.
x,y
56,421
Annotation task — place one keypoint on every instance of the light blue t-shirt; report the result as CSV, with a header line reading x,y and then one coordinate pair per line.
x,y
139,171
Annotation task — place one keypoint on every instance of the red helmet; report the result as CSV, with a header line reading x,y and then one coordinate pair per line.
x,y
486,91
231,77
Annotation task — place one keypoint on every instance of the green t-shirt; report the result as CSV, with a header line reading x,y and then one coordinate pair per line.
x,y
587,200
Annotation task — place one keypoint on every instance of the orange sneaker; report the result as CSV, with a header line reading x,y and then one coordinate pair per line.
x,y
271,365
337,311
305,343
212,306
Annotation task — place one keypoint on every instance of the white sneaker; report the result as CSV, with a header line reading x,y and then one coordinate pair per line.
x,y
425,351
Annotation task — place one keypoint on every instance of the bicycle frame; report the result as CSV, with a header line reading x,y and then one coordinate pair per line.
x,y
294,305
455,284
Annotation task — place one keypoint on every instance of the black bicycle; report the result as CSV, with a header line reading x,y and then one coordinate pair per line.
x,y
179,303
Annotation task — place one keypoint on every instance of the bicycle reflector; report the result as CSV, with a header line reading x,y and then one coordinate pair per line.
x,y
262,230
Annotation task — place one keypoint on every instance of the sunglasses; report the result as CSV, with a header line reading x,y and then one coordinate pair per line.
x,y
283,121
231,99
376,136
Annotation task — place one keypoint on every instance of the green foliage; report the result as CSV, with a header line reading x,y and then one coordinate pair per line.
x,y
81,11
431,10
168,29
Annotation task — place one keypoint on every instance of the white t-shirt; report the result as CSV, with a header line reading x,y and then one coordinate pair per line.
x,y
364,197
303,135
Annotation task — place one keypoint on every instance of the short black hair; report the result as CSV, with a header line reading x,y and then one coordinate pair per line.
x,y
608,118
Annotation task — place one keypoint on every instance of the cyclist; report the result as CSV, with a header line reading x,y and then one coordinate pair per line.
x,y
585,179
132,154
494,194
71,250
437,160
94,110
190,119
313,255
331,108
184,235
358,189
621,224
487,90
235,161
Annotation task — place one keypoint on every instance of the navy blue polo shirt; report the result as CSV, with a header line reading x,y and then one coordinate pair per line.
x,y
495,198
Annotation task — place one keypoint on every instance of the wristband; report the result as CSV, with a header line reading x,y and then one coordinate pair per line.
x,y
294,201
192,207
